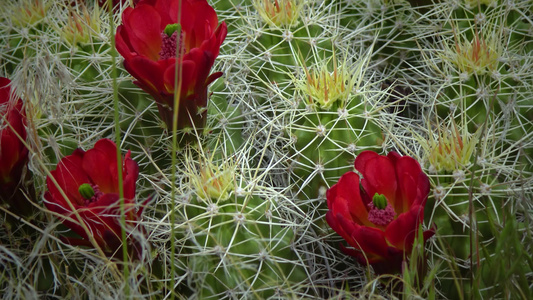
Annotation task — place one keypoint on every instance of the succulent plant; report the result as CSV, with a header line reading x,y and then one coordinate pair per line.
x,y
238,209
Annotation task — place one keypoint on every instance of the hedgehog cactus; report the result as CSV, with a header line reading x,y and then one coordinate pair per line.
x,y
237,244
479,86
280,38
451,154
468,205
475,136
323,97
330,124
238,211
239,248
480,52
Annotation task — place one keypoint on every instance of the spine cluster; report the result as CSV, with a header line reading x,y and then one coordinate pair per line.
x,y
231,198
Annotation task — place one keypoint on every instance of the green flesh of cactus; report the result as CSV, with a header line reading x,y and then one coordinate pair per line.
x,y
325,142
237,250
239,247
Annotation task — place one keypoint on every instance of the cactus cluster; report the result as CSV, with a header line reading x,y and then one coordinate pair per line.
x,y
233,206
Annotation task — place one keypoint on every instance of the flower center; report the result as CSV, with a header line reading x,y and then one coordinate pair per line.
x,y
380,211
169,45
90,193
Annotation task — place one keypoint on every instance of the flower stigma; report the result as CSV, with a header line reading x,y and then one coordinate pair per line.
x,y
380,201
171,28
90,193
86,191
170,44
380,211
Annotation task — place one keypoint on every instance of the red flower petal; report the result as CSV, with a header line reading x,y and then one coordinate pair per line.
x,y
55,204
213,43
69,176
76,241
168,10
91,221
342,226
188,79
344,198
107,204
102,216
13,153
198,25
402,231
5,90
123,44
379,175
150,74
213,77
352,252
100,164
130,175
410,182
372,242
196,14
203,61
142,30
189,101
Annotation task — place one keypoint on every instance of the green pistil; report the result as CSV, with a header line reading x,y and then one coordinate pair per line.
x,y
380,201
86,191
171,28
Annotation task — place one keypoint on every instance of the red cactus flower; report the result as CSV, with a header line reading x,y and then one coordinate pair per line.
x,y
155,41
379,215
89,180
13,153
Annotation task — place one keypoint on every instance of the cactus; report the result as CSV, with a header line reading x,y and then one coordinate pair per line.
x,y
236,242
473,140
468,205
307,85
323,96
460,217
330,125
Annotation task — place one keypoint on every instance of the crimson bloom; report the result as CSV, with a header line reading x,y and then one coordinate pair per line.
x,y
89,180
154,41
379,215
13,153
